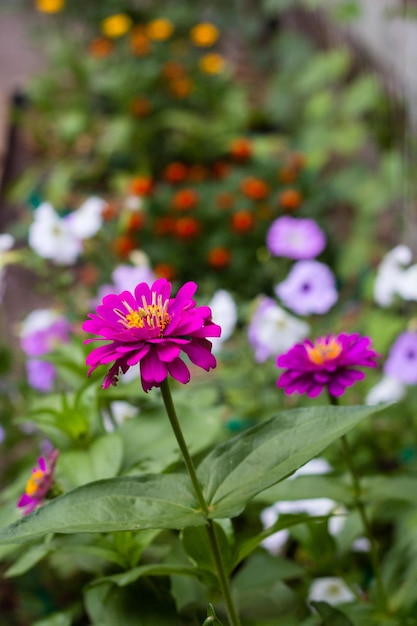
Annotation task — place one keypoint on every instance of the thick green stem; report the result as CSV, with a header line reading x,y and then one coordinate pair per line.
x,y
357,498
210,527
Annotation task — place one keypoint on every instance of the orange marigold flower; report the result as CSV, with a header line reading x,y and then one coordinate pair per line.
x,y
204,34
172,70
123,246
135,221
212,63
255,188
240,149
116,25
290,199
140,106
50,6
139,42
175,172
185,199
187,228
219,257
242,221
160,29
142,185
197,173
164,225
181,87
287,175
165,270
220,169
225,200
100,47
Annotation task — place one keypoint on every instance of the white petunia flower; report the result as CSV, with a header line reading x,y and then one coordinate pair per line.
x,y
393,279
224,313
87,220
330,589
273,331
313,467
50,237
388,389
120,412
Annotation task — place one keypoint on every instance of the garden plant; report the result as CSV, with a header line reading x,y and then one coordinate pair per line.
x,y
209,419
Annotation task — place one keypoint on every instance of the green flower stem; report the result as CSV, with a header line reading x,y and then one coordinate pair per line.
x,y
211,530
357,497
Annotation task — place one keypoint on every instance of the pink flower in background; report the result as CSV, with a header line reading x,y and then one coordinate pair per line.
x,y
39,484
330,362
401,363
151,329
295,238
309,288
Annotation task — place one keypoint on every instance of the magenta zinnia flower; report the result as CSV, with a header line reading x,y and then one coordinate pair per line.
x,y
331,362
39,484
151,329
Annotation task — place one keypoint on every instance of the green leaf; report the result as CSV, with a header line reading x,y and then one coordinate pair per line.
x,y
29,559
237,470
155,569
127,503
330,615
102,460
196,543
212,619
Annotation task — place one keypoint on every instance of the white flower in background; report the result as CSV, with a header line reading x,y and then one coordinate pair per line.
x,y
120,412
273,331
330,589
393,279
50,237
224,313
361,544
312,468
60,239
388,389
269,516
87,220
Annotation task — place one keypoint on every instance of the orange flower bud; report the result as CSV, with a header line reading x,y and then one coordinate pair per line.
x,y
187,228
240,149
142,185
175,172
185,199
290,199
242,221
255,188
219,257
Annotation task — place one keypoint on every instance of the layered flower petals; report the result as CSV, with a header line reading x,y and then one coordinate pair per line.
x,y
151,328
330,362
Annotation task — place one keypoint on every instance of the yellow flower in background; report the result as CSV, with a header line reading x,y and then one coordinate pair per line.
x,y
116,25
212,63
50,6
159,29
204,34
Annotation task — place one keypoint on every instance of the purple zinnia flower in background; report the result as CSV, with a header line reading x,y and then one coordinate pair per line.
x,y
150,328
330,362
310,287
295,238
39,484
42,330
401,363
273,331
40,374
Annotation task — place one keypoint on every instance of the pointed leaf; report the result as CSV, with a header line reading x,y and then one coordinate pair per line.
x,y
331,616
261,456
127,503
212,619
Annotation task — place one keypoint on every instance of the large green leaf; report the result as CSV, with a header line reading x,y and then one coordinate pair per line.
x,y
242,467
127,503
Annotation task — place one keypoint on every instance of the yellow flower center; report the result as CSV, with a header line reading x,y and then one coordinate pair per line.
x,y
204,34
153,315
324,351
34,482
